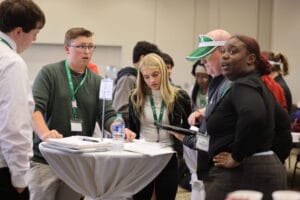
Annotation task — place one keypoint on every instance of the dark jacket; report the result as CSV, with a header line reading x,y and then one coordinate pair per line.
x,y
249,121
287,93
216,90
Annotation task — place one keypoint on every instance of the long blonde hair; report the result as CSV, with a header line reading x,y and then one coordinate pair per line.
x,y
140,93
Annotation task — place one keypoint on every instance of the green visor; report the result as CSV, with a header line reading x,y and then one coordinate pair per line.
x,y
205,47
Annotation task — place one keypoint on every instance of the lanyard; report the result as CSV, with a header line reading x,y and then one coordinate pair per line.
x,y
161,113
226,89
71,87
5,42
202,99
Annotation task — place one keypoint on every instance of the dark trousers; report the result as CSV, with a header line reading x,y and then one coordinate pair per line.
x,y
165,183
6,188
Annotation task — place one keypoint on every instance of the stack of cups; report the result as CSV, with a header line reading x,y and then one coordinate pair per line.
x,y
244,195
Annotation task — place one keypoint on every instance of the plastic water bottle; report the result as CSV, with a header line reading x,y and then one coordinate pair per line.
x,y
118,133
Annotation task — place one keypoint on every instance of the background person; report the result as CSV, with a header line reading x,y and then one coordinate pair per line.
x,y
154,99
169,64
280,68
20,22
200,88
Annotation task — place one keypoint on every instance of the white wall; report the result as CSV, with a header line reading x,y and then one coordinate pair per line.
x,y
174,25
286,39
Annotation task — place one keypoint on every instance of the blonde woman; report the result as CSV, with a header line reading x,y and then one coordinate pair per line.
x,y
154,99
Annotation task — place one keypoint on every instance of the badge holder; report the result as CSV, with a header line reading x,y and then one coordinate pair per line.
x,y
76,123
76,126
105,93
202,141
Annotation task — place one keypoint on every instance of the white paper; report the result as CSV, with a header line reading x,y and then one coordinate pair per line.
x,y
79,142
106,89
148,148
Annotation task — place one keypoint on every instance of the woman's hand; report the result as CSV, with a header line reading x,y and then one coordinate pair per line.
x,y
129,135
177,135
224,159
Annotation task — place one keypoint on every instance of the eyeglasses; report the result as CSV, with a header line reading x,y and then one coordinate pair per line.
x,y
84,47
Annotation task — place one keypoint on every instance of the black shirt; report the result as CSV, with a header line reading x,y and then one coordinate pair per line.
x,y
243,121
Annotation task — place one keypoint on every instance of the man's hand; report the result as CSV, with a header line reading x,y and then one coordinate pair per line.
x,y
224,159
51,134
196,117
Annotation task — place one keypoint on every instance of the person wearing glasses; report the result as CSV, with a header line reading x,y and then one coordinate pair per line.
x,y
209,54
66,94
20,23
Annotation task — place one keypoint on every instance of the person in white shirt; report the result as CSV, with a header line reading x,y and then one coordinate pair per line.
x,y
20,22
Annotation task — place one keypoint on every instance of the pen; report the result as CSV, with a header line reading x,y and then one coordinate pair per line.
x,y
89,140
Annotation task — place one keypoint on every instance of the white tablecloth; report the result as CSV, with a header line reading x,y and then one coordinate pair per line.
x,y
105,175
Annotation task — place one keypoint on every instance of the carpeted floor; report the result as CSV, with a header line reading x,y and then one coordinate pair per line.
x,y
183,194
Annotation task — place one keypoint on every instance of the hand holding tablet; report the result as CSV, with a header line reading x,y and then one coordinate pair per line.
x,y
175,129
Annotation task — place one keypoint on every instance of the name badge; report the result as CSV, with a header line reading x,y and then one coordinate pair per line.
x,y
202,142
76,126
74,104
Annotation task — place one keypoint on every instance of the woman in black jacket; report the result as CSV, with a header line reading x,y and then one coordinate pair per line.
x,y
155,99
241,144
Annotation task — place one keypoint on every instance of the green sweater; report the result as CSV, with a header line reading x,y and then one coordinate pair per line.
x,y
52,98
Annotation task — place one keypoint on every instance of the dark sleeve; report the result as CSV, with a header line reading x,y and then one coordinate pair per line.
x,y
190,141
185,104
121,95
287,92
41,90
282,142
288,98
187,108
251,117
133,120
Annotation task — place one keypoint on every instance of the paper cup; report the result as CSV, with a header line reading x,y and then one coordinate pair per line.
x,y
245,195
286,195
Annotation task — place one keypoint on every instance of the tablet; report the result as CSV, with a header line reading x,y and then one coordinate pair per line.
x,y
175,129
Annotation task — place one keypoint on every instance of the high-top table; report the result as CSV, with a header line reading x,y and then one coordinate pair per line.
x,y
105,175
